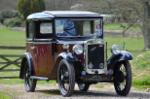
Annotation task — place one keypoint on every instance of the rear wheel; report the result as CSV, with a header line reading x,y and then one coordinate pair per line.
x,y
66,78
83,86
123,78
30,84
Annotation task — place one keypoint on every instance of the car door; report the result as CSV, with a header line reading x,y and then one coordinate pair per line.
x,y
42,48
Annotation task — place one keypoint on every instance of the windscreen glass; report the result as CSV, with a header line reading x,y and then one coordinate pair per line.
x,y
78,27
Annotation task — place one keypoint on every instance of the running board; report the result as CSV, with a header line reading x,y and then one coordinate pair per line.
x,y
39,78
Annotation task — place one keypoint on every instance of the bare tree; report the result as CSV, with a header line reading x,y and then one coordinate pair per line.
x,y
146,25
129,12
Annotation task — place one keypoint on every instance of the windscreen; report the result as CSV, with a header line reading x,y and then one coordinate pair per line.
x,y
78,27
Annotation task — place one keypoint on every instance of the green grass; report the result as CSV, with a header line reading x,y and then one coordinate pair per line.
x,y
142,60
140,63
10,37
134,45
4,96
117,26
113,26
144,82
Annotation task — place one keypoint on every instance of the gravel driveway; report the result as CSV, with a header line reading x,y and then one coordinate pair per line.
x,y
51,92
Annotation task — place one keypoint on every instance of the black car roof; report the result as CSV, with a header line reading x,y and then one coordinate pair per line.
x,y
48,15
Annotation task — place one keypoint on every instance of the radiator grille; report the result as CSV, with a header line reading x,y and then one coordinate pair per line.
x,y
95,56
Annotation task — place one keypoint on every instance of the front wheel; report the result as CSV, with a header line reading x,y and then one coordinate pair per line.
x,y
66,78
123,78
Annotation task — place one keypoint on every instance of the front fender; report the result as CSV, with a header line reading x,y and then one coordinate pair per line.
x,y
67,56
64,55
118,57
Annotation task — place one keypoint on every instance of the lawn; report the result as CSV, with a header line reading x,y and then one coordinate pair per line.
x,y
117,26
10,37
4,96
134,45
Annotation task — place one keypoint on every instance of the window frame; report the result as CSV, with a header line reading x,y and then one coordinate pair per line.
x,y
28,32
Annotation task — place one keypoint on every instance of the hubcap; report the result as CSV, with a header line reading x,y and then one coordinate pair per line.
x,y
121,76
64,78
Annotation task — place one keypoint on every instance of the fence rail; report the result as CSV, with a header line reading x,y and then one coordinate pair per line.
x,y
13,47
7,60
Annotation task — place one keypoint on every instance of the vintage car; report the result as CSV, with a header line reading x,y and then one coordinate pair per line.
x,y
68,46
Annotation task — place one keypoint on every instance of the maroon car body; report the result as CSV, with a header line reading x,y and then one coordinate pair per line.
x,y
68,46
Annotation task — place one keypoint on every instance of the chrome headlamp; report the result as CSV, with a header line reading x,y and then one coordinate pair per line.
x,y
115,49
78,49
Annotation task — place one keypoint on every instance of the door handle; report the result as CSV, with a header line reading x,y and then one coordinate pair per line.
x,y
32,47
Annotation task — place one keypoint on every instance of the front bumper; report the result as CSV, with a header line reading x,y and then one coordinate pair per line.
x,y
96,78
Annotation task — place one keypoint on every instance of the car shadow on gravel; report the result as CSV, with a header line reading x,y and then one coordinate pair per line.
x,y
112,94
92,93
95,94
50,92
140,95
79,93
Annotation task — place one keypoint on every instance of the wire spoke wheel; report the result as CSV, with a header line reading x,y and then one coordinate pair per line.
x,y
123,78
29,83
66,78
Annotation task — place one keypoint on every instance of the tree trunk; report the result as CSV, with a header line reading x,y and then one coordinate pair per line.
x,y
146,25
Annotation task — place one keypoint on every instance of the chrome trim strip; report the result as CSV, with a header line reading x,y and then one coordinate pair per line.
x,y
29,39
70,42
39,78
79,42
40,42
38,39
42,39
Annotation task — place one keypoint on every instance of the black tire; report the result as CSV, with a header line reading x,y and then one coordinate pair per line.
x,y
30,84
66,76
83,86
123,79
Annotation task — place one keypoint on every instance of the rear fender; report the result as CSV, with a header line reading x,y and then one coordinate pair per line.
x,y
27,57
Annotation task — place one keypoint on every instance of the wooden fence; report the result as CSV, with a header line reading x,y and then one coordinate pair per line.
x,y
7,60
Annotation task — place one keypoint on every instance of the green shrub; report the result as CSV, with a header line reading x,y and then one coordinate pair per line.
x,y
4,14
1,18
26,7
13,22
9,13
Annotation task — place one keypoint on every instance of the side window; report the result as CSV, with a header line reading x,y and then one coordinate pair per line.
x,y
30,30
59,26
86,28
46,28
98,27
